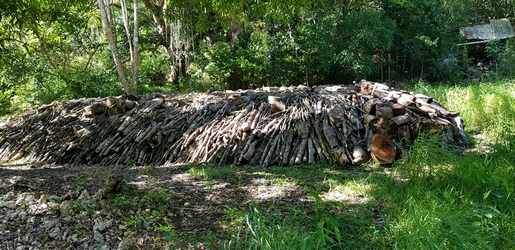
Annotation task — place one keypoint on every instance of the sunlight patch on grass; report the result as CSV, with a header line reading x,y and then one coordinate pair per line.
x,y
349,192
332,171
261,173
211,173
265,189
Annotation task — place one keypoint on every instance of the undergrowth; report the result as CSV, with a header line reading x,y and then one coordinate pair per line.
x,y
434,200
486,107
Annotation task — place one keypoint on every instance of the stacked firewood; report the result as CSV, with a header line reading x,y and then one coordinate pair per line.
x,y
347,124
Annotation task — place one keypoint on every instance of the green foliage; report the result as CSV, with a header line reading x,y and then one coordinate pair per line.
x,y
56,58
83,208
422,163
315,49
367,37
504,57
423,38
56,50
323,227
159,196
153,70
212,65
215,62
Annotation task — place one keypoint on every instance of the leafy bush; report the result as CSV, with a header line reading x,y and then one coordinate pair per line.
x,y
367,37
507,59
424,36
210,66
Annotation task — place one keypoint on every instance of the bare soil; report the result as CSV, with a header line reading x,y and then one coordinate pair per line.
x,y
196,208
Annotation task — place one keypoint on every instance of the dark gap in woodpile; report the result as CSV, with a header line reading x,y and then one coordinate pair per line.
x,y
347,124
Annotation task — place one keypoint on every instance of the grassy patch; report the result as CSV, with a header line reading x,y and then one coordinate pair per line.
x,y
210,173
487,107
466,205
434,200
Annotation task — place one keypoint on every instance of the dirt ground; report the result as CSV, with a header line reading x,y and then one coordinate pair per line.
x,y
196,207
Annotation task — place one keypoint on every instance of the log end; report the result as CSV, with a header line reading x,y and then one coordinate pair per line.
x,y
382,149
359,155
276,103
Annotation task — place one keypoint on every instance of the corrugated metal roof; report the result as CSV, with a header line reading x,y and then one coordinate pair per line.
x,y
496,29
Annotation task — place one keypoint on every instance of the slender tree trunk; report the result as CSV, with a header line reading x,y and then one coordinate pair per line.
x,y
133,41
125,17
106,24
135,61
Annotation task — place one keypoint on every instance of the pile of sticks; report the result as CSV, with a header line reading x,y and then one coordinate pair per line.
x,y
345,124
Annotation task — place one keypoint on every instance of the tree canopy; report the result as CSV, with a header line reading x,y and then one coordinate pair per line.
x,y
60,49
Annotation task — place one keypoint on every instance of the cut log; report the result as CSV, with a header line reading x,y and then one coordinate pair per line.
x,y
129,105
375,89
382,126
366,87
430,110
336,115
341,156
384,110
420,98
382,149
359,155
110,101
402,120
406,99
418,111
370,106
276,103
398,109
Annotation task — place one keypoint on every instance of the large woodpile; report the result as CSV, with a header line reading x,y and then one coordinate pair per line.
x,y
346,124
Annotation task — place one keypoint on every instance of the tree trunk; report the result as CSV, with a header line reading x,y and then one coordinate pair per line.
x,y
135,58
234,81
106,24
132,41
171,33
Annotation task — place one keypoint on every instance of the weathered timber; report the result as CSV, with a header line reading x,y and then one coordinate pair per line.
x,y
344,124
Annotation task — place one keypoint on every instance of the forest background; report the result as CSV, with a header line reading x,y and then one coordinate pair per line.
x,y
52,50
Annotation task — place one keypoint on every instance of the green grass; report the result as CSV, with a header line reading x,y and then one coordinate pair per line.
x,y
466,204
447,202
486,107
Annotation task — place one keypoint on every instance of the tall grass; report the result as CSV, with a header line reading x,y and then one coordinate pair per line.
x,y
487,107
319,228
450,201
467,203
